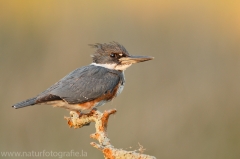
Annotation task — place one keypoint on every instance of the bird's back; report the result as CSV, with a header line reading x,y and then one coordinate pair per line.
x,y
83,85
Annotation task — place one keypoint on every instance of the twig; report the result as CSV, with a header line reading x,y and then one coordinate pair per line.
x,y
104,145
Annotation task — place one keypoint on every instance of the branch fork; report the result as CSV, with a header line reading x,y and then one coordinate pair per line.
x,y
101,120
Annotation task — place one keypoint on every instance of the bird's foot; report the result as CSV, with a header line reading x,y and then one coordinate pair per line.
x,y
76,116
87,113
80,114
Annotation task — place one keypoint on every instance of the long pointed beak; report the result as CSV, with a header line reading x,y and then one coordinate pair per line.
x,y
135,59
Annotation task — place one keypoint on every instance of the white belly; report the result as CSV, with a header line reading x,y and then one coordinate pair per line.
x,y
120,89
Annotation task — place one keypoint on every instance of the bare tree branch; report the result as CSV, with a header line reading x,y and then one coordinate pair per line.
x,y
104,145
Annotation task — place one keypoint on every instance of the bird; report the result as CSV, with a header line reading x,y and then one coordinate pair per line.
x,y
91,86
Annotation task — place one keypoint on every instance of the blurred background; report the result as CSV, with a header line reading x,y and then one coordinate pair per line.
x,y
183,104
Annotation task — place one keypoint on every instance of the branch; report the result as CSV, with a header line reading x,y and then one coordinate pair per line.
x,y
104,145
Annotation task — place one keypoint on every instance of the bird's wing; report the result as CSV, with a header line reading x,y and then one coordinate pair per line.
x,y
83,85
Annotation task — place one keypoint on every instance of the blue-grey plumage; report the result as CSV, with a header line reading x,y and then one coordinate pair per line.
x,y
90,86
85,84
80,86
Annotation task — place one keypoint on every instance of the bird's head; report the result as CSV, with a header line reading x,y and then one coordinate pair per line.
x,y
115,56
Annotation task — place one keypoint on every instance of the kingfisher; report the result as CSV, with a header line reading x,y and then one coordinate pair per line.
x,y
90,86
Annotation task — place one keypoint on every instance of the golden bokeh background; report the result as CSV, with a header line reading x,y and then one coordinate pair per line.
x,y
183,104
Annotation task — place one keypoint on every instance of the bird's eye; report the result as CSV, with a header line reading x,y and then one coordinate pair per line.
x,y
112,55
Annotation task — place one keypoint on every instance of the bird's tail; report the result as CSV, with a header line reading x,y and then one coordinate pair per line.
x,y
25,103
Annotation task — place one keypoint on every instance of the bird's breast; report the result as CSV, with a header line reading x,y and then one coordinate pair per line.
x,y
120,89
